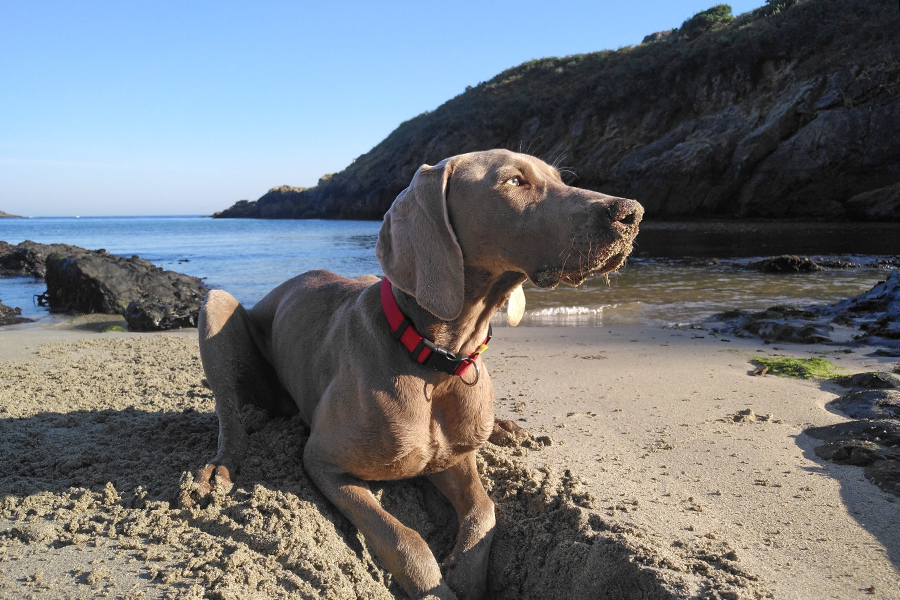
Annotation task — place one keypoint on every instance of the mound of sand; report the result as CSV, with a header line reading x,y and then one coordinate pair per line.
x,y
97,439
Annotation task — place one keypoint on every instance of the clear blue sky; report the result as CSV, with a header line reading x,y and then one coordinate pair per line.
x,y
152,108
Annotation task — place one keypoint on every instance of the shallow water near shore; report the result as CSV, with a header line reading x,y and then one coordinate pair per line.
x,y
660,284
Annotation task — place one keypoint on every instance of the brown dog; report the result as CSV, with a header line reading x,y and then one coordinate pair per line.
x,y
456,244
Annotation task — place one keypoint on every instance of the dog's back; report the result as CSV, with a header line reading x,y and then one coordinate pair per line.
x,y
303,351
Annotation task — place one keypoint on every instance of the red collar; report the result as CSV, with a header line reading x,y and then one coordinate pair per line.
x,y
425,351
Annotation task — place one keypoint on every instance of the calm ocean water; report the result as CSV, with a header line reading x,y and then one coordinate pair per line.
x,y
250,257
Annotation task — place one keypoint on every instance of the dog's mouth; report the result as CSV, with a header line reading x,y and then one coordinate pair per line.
x,y
584,265
576,278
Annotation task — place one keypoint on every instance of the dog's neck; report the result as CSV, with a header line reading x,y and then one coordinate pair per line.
x,y
485,293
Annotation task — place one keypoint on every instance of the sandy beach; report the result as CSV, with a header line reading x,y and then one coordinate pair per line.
x,y
659,467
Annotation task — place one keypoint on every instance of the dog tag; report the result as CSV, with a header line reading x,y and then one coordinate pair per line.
x,y
515,307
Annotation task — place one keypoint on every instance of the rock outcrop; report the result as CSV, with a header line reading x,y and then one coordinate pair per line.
x,y
792,110
11,316
30,258
273,205
785,264
871,317
149,297
872,440
94,281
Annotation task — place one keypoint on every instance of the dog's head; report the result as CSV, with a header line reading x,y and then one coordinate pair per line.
x,y
499,211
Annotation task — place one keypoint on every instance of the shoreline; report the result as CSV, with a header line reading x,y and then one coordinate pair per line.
x,y
646,426
663,450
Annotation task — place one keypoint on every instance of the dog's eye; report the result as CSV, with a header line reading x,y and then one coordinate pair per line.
x,y
517,181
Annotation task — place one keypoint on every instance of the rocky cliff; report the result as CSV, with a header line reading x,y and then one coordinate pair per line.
x,y
792,110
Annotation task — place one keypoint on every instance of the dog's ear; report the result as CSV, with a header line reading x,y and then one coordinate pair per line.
x,y
515,306
417,247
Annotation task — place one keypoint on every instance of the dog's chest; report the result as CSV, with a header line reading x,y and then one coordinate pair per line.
x,y
458,425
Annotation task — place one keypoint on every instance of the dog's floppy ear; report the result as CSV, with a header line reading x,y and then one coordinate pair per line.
x,y
417,247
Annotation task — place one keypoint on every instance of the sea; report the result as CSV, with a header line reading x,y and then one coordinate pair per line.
x,y
680,273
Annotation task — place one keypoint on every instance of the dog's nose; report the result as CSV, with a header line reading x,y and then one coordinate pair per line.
x,y
623,212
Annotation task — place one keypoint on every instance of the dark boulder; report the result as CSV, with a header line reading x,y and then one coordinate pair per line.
x,y
838,263
149,297
791,332
875,380
785,264
870,443
849,452
870,404
692,261
873,439
11,316
151,315
782,324
875,315
29,258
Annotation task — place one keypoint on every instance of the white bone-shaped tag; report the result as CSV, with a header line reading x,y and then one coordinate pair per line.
x,y
515,307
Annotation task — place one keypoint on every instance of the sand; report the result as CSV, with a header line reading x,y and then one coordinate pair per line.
x,y
659,467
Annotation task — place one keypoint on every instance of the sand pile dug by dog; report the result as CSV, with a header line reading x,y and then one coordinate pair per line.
x,y
96,441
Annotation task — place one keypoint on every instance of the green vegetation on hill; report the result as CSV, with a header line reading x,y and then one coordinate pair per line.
x,y
790,110
718,15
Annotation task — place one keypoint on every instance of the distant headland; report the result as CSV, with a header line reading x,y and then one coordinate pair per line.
x,y
791,110
4,215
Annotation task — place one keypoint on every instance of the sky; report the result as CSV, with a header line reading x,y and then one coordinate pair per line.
x,y
183,108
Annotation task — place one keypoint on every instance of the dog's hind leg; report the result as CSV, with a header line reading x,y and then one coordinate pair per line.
x,y
238,374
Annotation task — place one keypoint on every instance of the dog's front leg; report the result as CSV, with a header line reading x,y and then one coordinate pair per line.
x,y
467,564
402,550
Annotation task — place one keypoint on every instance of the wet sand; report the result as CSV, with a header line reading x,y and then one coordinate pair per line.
x,y
671,472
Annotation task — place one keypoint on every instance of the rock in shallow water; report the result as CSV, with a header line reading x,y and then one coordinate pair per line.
x,y
29,258
11,316
875,314
785,264
149,297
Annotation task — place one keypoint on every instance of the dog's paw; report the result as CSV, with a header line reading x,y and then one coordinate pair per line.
x,y
211,479
466,573
507,433
442,592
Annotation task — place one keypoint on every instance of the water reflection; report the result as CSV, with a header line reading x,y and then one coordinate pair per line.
x,y
657,286
741,239
663,292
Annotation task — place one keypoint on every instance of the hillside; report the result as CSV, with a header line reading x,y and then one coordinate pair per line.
x,y
792,110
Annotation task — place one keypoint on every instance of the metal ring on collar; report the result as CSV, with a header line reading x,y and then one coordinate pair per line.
x,y
474,363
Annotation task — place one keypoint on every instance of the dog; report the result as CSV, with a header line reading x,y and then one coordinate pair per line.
x,y
388,372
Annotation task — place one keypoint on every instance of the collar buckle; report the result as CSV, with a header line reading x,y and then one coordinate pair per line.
x,y
438,358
